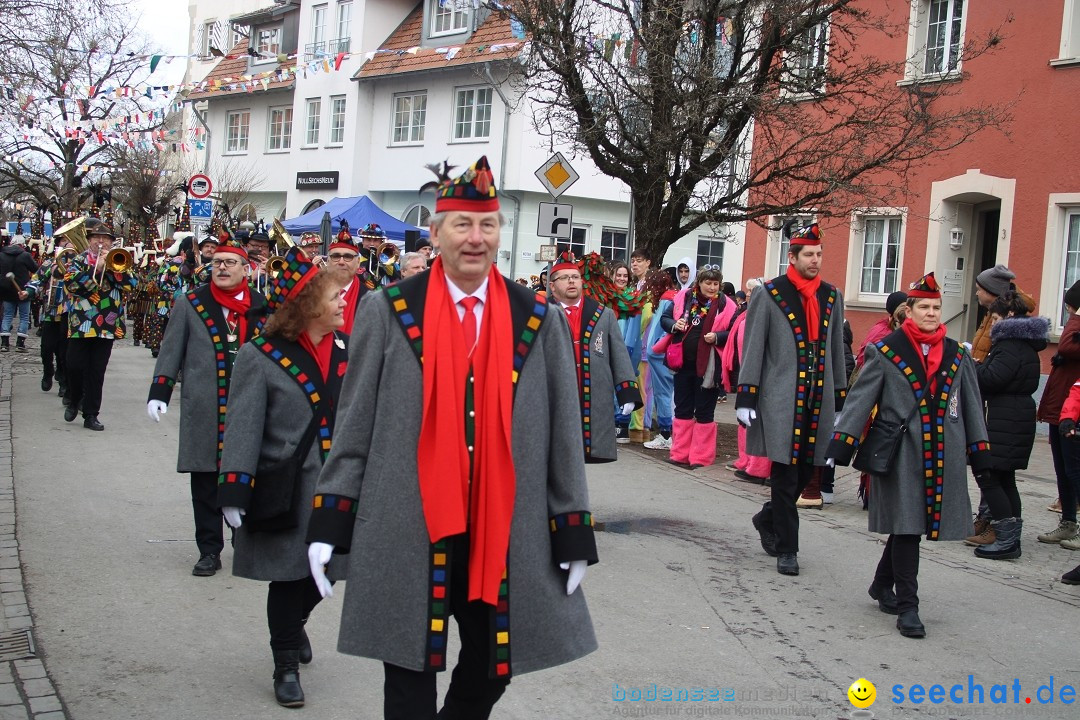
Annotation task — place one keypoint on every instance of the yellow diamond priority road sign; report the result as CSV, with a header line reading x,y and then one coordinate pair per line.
x,y
557,175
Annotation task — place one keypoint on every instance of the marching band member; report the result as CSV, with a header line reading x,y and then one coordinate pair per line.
x,y
208,325
383,270
48,281
344,261
95,318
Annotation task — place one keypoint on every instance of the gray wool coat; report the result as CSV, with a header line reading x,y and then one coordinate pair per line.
x,y
269,412
899,500
195,342
603,359
775,355
368,498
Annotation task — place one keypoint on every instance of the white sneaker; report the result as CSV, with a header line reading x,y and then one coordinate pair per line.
x,y
826,497
659,443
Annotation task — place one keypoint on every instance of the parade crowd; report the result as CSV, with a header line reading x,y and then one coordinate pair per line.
x,y
308,377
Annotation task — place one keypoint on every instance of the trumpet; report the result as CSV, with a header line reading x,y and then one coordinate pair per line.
x,y
276,265
117,260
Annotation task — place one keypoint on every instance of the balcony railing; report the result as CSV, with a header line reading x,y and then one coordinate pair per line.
x,y
327,48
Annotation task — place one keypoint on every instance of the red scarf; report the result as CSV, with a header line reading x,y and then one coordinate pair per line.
x,y
227,299
931,361
321,352
351,297
808,290
442,455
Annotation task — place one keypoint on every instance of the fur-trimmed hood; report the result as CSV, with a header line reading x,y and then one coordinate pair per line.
x,y
1033,329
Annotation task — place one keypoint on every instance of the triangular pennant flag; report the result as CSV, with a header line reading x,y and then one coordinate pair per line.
x,y
337,60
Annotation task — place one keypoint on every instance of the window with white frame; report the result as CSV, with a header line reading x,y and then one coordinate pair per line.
x,y
410,115
417,215
344,22
448,17
801,221
1070,260
314,118
318,25
212,34
613,244
337,120
880,266
279,133
472,113
935,42
268,41
579,236
239,34
805,62
710,251
237,130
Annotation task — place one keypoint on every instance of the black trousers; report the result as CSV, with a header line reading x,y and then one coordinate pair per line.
x,y
209,528
788,482
87,360
288,604
54,344
899,566
693,402
410,695
1000,493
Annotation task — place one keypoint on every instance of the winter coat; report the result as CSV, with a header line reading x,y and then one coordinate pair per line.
x,y
892,378
15,259
270,408
605,372
725,312
981,343
1008,378
368,498
196,341
1065,370
792,419
849,355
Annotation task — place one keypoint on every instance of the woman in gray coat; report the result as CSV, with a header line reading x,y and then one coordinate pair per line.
x,y
925,381
278,430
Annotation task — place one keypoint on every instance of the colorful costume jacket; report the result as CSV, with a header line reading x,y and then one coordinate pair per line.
x,y
96,304
48,283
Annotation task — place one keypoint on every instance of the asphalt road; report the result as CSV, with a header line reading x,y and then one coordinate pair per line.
x,y
683,598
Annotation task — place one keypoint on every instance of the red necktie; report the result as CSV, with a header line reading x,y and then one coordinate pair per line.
x,y
572,314
468,321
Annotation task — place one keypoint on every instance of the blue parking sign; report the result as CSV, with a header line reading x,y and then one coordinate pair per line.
x,y
201,208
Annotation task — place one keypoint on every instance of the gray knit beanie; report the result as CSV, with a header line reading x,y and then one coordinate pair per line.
x,y
996,280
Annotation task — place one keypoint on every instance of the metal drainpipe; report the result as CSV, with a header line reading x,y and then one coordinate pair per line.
x,y
502,166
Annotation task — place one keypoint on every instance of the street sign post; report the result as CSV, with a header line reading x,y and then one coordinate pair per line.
x,y
199,186
553,220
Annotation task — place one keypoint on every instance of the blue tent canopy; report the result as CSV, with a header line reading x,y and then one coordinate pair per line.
x,y
358,212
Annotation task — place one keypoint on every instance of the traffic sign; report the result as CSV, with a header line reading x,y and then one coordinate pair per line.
x,y
557,175
201,208
553,220
199,186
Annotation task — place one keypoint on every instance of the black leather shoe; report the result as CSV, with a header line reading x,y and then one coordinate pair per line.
x,y
305,646
787,564
909,624
70,412
287,690
207,566
91,423
46,383
63,391
886,599
768,537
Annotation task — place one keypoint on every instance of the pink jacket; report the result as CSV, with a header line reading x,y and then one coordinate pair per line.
x,y
727,355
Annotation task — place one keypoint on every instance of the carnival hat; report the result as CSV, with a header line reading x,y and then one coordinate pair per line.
x,y
231,247
344,239
924,287
809,235
371,231
566,261
298,272
472,191
310,238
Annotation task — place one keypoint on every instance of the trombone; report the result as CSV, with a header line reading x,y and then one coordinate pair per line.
x,y
117,260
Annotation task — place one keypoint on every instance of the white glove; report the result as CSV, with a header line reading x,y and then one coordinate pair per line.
x,y
577,574
967,346
318,555
831,462
233,515
627,408
746,416
155,409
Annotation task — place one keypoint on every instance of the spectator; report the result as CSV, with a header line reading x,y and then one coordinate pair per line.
x,y
17,266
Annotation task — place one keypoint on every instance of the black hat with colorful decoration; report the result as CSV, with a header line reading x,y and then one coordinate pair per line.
x,y
809,235
371,231
298,272
924,287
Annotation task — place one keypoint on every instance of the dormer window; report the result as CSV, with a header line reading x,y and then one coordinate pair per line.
x,y
268,42
448,17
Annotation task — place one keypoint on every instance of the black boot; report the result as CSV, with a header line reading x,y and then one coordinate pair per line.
x,y
909,624
305,645
20,344
886,598
1006,545
5,343
90,422
46,381
287,690
763,524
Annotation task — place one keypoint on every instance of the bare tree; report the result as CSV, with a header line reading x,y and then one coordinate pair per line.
x,y
666,96
56,60
144,187
235,181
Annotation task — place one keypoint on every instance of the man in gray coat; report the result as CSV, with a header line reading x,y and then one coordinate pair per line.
x,y
603,365
207,327
489,519
791,385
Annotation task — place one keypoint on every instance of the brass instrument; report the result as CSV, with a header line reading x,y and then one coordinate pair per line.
x,y
276,265
119,260
75,233
278,234
64,256
385,258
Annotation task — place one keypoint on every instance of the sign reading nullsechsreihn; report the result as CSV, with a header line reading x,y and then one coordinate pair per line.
x,y
322,180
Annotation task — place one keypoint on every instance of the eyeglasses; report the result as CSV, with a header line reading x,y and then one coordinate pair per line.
x,y
224,262
710,267
343,256
566,277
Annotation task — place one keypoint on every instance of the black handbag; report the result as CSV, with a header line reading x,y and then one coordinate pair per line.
x,y
275,499
877,452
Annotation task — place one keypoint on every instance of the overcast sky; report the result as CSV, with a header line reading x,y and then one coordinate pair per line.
x,y
166,24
